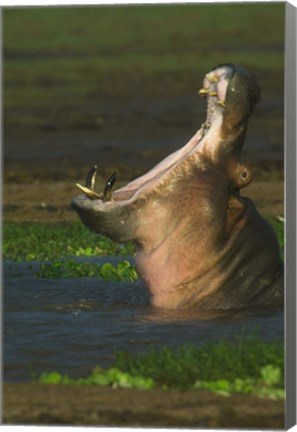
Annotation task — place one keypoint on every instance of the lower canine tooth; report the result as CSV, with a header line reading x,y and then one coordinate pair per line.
x,y
203,92
212,93
212,78
90,180
205,126
90,193
221,103
108,187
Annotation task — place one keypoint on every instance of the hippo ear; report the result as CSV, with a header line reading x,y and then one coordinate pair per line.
x,y
235,203
243,93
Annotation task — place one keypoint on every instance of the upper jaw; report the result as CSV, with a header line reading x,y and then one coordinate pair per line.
x,y
215,85
226,89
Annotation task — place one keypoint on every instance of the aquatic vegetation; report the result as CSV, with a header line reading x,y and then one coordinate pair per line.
x,y
279,228
243,366
269,385
242,359
123,271
111,377
33,241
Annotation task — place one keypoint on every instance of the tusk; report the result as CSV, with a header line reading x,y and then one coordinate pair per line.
x,y
90,180
108,187
221,103
212,78
203,92
90,193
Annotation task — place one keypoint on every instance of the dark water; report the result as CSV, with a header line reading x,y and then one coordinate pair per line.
x,y
72,325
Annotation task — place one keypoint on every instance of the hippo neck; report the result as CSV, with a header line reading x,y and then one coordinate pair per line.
x,y
177,271
179,277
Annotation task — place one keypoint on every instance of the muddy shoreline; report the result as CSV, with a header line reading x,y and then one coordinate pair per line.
x,y
48,404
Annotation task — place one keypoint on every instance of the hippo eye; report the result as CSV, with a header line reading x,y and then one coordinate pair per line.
x,y
242,177
244,174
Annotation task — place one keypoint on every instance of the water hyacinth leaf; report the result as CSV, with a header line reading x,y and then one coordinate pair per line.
x,y
112,377
189,368
50,378
33,241
122,272
271,374
107,271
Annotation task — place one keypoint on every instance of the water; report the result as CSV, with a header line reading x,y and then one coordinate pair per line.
x,y
72,325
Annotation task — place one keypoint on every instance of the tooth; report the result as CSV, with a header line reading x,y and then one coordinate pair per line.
x,y
205,126
213,93
90,193
221,103
211,78
90,180
203,92
108,187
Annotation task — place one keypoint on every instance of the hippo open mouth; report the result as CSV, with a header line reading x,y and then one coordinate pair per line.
x,y
214,89
187,216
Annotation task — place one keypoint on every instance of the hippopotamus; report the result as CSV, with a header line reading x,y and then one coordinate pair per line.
x,y
200,244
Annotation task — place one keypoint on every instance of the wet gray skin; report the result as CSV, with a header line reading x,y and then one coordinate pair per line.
x,y
200,243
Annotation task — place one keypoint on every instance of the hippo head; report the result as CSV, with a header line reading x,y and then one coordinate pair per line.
x,y
199,243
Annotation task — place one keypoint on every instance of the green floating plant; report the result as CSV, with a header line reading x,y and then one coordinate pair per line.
x,y
269,384
122,272
244,366
33,241
112,377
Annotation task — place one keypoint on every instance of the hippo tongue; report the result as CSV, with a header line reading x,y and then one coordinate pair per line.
x,y
214,89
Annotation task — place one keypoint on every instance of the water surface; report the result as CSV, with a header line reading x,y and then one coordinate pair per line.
x,y
72,325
